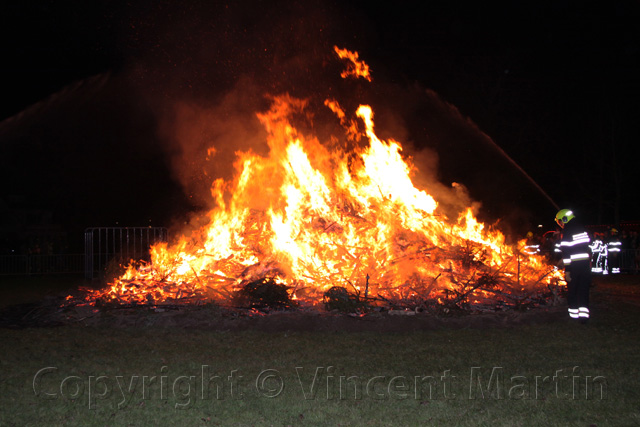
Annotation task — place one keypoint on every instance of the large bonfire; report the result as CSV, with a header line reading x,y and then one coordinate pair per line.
x,y
333,221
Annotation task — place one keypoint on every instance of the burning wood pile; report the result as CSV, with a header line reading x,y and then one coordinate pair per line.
x,y
312,224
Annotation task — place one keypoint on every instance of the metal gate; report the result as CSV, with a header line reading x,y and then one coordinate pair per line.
x,y
104,245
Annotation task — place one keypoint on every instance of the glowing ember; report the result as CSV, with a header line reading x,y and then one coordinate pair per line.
x,y
312,218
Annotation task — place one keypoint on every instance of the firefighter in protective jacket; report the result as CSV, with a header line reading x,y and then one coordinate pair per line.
x,y
576,256
614,246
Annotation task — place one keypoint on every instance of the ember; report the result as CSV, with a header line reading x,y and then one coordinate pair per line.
x,y
326,222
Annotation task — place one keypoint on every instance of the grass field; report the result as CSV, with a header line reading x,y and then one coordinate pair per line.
x,y
556,373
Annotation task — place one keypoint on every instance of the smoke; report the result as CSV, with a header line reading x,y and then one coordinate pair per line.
x,y
203,139
470,156
207,69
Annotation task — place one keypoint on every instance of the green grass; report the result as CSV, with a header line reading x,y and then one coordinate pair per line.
x,y
104,376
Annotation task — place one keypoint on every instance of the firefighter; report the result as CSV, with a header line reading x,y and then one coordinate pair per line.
x,y
599,255
614,246
532,245
576,257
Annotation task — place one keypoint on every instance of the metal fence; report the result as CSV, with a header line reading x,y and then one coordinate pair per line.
x,y
630,261
104,246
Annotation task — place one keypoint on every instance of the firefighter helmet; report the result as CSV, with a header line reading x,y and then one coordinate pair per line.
x,y
564,216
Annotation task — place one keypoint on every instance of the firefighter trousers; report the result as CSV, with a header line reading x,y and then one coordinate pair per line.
x,y
578,287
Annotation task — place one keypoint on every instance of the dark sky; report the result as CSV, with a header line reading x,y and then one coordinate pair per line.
x,y
553,84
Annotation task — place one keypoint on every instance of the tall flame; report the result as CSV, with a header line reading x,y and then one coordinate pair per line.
x,y
313,218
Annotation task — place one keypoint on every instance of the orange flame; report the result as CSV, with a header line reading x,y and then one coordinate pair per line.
x,y
356,67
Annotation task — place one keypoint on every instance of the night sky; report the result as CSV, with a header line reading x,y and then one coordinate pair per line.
x,y
89,129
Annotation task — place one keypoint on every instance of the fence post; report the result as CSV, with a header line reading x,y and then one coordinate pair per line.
x,y
88,254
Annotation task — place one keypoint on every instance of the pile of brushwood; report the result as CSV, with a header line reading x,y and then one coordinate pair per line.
x,y
487,292
267,295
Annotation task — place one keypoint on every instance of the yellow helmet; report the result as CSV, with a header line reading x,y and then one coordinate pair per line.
x,y
564,216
